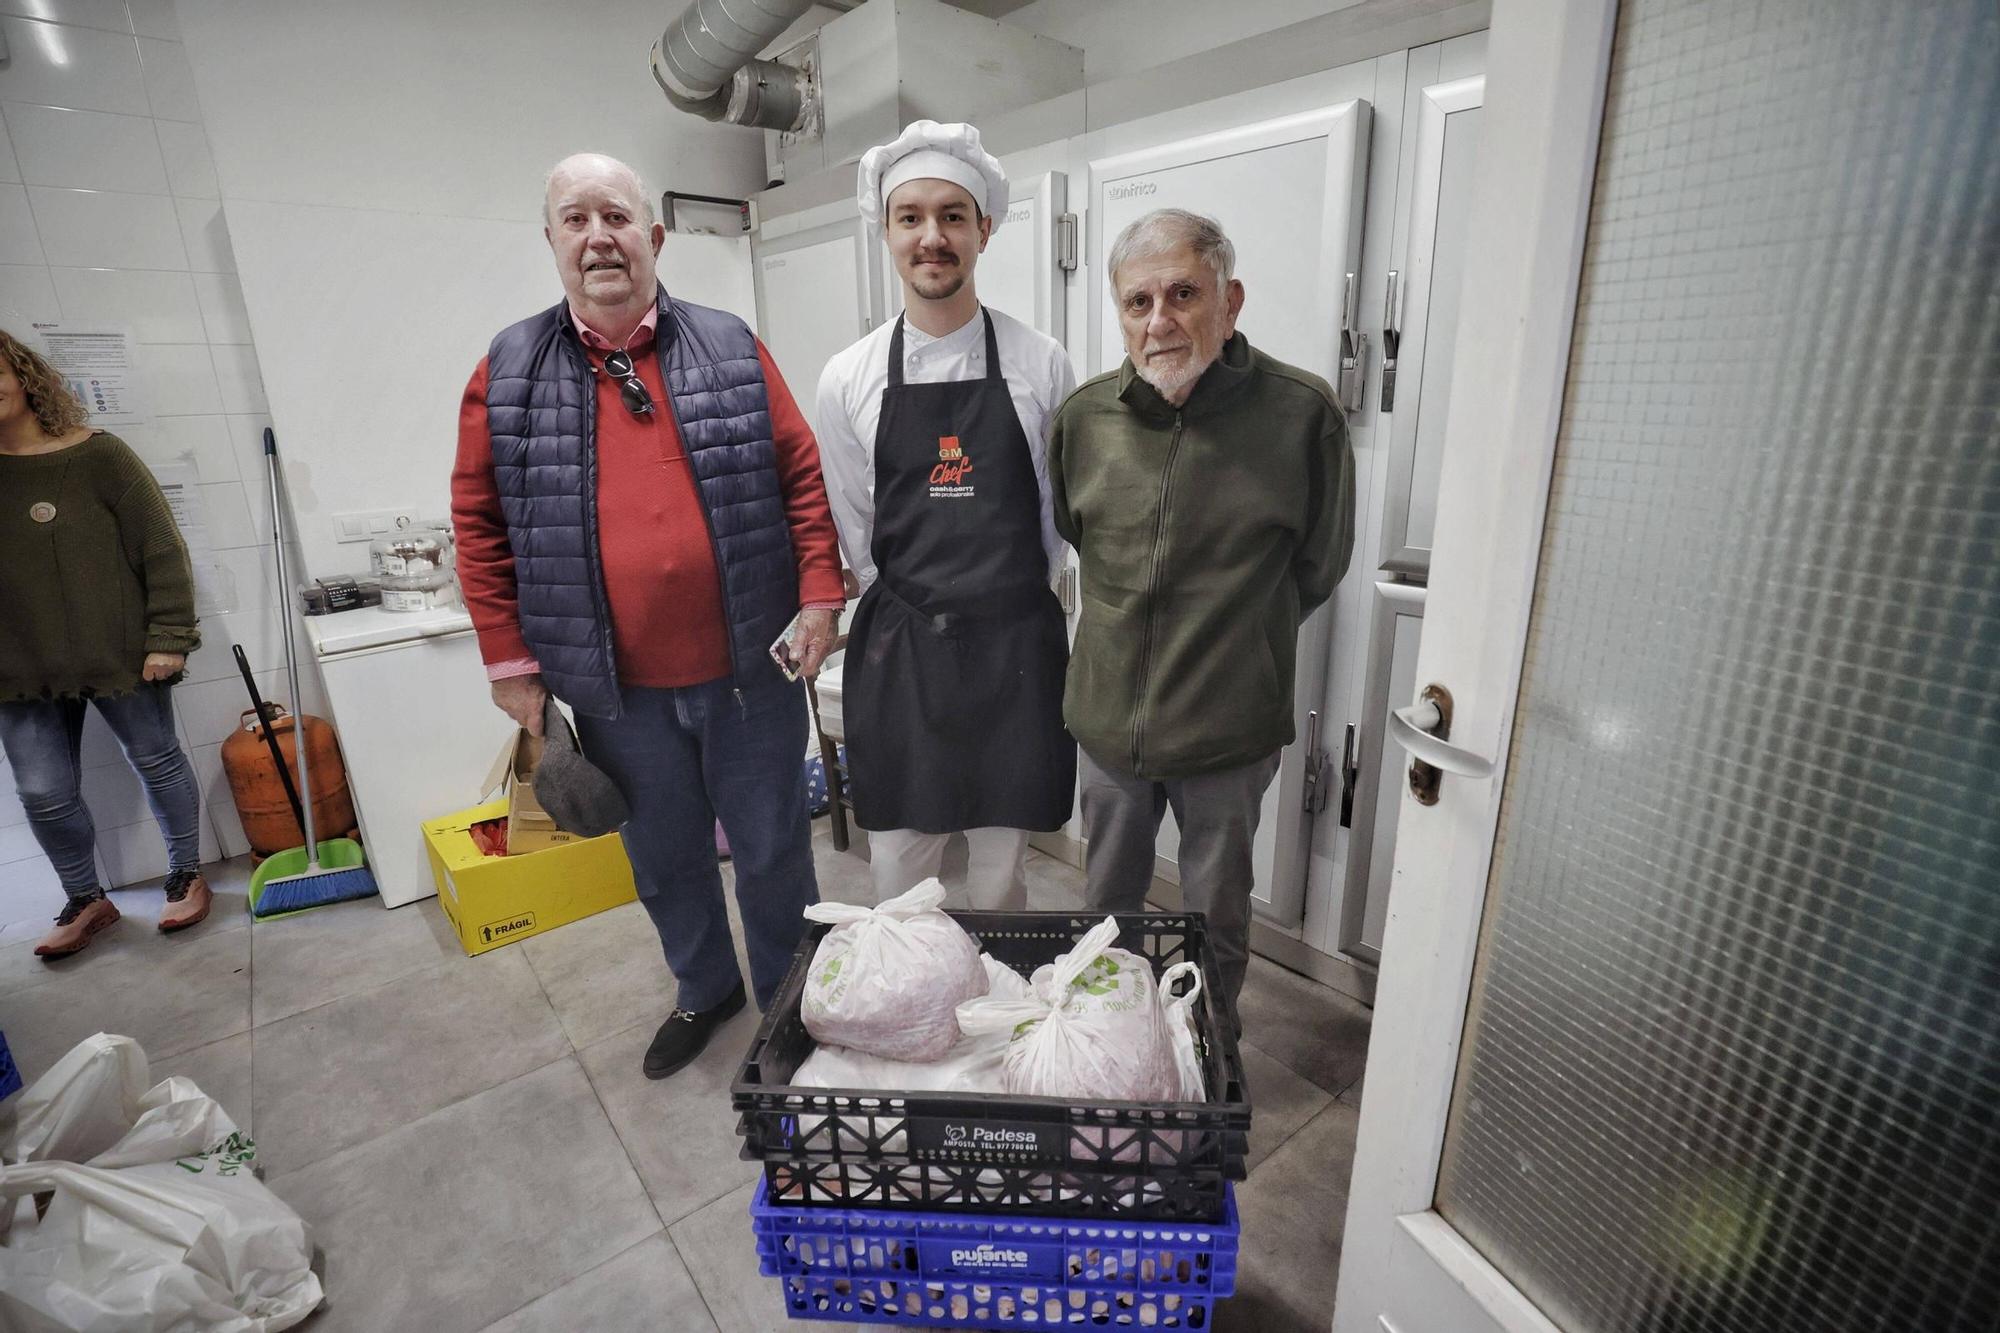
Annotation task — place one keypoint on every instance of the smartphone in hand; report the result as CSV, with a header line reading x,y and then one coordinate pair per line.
x,y
782,651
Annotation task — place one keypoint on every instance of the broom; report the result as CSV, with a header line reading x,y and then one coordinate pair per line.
x,y
347,876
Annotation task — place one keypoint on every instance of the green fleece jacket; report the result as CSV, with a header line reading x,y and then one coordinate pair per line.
x,y
1205,536
93,572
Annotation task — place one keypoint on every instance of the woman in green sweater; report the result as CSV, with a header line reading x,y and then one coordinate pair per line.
x,y
97,598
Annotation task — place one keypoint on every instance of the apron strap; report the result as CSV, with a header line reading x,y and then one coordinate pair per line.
x,y
896,351
896,355
992,347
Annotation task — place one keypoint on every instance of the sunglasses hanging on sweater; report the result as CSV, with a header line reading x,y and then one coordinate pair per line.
x,y
630,387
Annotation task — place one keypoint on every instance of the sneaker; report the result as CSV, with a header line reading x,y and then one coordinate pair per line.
x,y
81,919
685,1035
187,900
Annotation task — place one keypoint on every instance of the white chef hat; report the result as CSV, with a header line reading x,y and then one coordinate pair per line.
x,y
928,150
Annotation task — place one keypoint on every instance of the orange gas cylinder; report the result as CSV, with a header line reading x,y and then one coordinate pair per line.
x,y
259,792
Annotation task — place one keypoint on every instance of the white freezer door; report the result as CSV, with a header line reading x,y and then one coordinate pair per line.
x,y
1423,300
419,733
814,298
1021,272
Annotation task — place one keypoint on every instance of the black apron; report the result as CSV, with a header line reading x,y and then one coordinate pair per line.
x,y
955,657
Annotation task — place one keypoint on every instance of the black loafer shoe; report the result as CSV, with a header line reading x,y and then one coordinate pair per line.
x,y
685,1035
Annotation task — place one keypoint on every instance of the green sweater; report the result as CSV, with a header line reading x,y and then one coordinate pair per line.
x,y
1205,537
93,572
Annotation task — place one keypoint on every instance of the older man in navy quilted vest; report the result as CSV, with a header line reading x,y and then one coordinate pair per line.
x,y
640,516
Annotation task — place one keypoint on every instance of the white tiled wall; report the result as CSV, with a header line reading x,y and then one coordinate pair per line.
x,y
109,212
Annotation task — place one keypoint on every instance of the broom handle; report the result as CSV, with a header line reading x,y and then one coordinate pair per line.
x,y
271,737
291,651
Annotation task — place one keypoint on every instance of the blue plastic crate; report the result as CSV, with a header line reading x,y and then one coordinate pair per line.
x,y
10,1077
879,1266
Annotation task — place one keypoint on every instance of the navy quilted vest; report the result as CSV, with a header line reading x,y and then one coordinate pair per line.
x,y
540,404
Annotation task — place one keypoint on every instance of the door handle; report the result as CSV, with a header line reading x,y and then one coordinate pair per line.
x,y
1350,770
1353,372
1392,339
1318,770
1422,729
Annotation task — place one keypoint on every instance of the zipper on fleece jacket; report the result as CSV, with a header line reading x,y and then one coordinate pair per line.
x,y
1153,589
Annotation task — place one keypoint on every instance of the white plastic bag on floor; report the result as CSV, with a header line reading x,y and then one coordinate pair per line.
x,y
87,1101
163,1228
888,980
1094,1027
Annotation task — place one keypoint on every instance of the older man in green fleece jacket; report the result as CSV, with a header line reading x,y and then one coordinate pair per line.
x,y
1209,492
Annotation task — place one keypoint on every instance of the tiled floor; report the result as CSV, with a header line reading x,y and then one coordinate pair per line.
x,y
475,1147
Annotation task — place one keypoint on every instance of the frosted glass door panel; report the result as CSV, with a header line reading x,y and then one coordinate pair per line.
x,y
1731,1060
809,300
1289,193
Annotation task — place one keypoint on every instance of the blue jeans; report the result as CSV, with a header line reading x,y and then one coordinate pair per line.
x,y
43,739
682,758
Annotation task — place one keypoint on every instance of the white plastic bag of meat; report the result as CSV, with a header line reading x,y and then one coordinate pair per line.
x,y
1094,1027
1179,1013
888,980
973,1064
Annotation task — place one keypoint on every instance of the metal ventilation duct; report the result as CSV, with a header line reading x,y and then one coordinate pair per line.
x,y
705,63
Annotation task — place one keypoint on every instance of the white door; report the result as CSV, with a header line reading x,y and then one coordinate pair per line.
x,y
816,292
1290,194
1685,1018
1422,296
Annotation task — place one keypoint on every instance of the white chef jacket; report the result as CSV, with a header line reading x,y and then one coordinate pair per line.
x,y
1039,377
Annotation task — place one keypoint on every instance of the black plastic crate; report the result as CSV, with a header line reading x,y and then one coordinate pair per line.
x,y
937,1151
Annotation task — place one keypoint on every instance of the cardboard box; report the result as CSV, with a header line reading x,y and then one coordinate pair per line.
x,y
529,827
495,900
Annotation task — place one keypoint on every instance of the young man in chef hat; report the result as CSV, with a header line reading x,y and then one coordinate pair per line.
x,y
933,437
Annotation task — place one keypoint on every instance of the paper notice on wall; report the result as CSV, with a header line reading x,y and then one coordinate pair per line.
x,y
97,364
214,585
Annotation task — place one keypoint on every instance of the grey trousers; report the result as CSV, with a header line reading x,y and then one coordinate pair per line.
x,y
1217,816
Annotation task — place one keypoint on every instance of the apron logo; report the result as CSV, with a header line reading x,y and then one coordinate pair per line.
x,y
948,477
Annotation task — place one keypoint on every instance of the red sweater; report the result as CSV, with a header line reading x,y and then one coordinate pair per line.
x,y
667,619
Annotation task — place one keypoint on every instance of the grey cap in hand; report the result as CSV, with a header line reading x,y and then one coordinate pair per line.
x,y
578,794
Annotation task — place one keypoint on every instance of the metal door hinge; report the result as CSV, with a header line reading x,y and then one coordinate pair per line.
x,y
1353,349
1066,242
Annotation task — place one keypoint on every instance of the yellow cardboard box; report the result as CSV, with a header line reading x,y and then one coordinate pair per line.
x,y
495,900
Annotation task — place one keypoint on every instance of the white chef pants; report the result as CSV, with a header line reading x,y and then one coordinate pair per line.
x,y
996,875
